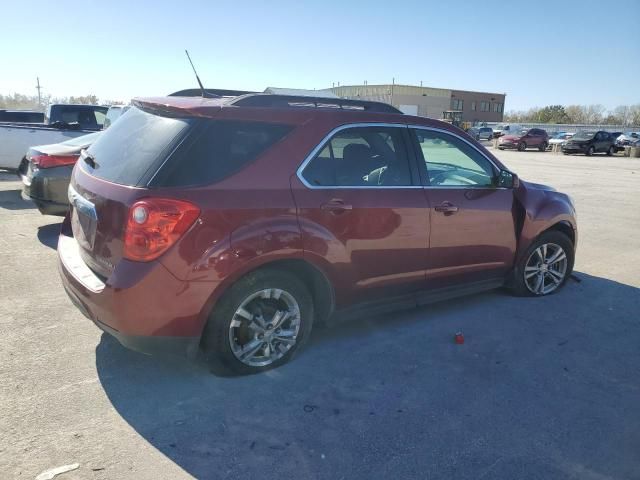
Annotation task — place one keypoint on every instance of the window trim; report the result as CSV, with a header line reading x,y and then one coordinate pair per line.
x,y
323,143
427,185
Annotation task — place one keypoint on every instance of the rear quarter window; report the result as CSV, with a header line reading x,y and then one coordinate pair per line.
x,y
217,149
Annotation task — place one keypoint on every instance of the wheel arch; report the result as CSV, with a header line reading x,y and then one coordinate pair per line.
x,y
312,276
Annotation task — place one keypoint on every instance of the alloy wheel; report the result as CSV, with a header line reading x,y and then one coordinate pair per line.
x,y
545,269
264,327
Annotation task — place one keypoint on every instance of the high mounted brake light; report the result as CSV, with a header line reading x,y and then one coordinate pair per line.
x,y
154,224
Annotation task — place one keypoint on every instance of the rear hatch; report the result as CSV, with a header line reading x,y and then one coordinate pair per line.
x,y
112,174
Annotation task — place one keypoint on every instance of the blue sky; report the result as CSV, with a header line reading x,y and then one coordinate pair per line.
x,y
557,52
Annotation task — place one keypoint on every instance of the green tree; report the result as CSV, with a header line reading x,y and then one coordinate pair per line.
x,y
552,114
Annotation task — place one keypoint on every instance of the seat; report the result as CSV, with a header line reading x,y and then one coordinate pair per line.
x,y
356,163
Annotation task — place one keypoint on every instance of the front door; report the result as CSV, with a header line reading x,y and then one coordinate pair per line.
x,y
472,221
363,213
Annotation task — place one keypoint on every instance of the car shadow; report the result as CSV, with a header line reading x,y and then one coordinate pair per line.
x,y
12,200
48,235
395,397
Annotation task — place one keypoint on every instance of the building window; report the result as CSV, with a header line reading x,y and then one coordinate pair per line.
x,y
497,107
457,104
484,106
473,106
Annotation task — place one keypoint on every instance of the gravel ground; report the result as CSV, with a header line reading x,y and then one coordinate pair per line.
x,y
543,388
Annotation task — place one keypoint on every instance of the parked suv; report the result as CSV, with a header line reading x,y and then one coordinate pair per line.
x,y
527,138
232,226
589,142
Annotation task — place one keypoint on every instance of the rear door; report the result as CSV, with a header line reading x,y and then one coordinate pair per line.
x,y
602,142
363,213
472,221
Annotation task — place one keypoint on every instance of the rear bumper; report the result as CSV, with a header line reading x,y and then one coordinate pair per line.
x,y
47,188
149,345
141,304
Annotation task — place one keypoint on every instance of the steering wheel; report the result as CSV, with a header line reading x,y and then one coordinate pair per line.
x,y
451,175
439,178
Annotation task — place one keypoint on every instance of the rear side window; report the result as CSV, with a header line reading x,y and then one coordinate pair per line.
x,y
216,150
361,157
134,145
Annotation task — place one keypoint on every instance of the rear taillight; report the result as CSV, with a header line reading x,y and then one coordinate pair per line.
x,y
154,224
42,160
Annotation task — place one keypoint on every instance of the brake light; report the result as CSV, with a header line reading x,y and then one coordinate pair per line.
x,y
43,160
154,224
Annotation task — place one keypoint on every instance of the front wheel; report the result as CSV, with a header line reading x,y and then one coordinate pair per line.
x,y
522,147
259,323
546,266
543,147
611,150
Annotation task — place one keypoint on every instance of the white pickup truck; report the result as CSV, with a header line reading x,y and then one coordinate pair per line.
x,y
62,122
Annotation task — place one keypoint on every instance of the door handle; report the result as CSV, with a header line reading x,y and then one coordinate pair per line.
x,y
336,207
447,208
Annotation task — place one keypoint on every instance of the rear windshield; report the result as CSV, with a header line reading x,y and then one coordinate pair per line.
x,y
217,149
133,146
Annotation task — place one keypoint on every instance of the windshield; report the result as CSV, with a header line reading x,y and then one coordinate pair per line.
x,y
83,140
560,135
584,135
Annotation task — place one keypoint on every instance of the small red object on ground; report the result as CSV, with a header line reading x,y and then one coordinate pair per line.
x,y
459,338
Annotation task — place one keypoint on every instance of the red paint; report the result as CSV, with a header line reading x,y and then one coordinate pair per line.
x,y
459,338
392,240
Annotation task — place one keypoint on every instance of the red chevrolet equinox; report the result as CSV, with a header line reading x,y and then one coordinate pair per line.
x,y
230,226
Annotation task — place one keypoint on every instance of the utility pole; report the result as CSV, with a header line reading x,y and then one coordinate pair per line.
x,y
39,95
393,84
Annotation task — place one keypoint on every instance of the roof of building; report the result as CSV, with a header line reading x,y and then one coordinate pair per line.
x,y
301,92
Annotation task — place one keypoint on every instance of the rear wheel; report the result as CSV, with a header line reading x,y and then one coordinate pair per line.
x,y
546,266
611,150
543,147
259,323
522,147
590,151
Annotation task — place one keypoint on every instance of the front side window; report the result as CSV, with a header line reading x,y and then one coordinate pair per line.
x,y
361,157
451,162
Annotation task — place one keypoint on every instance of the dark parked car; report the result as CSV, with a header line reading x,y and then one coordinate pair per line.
x,y
231,226
527,138
46,170
21,116
589,142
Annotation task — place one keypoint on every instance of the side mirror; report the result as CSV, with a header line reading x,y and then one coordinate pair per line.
x,y
508,179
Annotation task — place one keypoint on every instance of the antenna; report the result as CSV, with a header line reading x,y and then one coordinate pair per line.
x,y
39,88
204,93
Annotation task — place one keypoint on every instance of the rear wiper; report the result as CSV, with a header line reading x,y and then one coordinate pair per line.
x,y
88,158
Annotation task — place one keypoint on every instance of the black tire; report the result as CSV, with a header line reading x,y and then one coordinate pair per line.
x,y
216,342
543,147
551,237
522,147
590,151
611,150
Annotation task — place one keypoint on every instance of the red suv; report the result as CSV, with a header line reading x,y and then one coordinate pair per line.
x,y
231,226
528,138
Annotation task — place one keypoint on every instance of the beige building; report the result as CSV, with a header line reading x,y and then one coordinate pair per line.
x,y
430,102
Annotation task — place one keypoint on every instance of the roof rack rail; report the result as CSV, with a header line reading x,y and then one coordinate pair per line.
x,y
217,92
288,101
